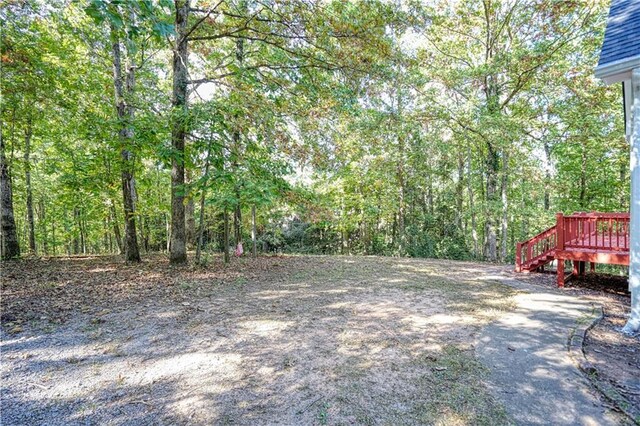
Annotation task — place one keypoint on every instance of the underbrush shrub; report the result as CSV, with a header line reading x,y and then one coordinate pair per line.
x,y
272,240
378,245
421,244
452,248
322,238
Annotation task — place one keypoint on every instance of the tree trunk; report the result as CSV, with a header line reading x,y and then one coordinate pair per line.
x,y
583,178
126,113
237,214
505,217
43,225
547,175
491,248
9,236
226,236
27,174
145,240
83,234
168,233
108,244
141,231
474,228
400,173
460,192
254,248
202,199
492,163
237,224
77,242
116,227
54,243
401,200
190,217
523,205
200,226
178,251
75,245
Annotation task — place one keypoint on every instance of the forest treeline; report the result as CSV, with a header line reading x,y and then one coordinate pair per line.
x,y
435,129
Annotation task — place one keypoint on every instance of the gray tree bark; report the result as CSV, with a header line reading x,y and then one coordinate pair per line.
x,y
226,236
200,227
116,227
190,217
504,194
583,177
178,250
400,174
126,114
460,192
547,175
9,247
254,248
237,140
27,175
202,199
43,225
474,228
491,248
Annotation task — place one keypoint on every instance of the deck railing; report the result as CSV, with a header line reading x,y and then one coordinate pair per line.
x,y
536,248
593,231
597,232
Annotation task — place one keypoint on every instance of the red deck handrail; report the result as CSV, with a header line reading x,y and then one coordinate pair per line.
x,y
599,215
594,231
536,248
597,232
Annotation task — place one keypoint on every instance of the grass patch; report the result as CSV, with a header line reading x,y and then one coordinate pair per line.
x,y
456,392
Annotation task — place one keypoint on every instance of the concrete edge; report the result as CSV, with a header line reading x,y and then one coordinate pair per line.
x,y
575,347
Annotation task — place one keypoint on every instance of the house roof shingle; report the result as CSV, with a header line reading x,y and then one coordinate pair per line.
x,y
622,35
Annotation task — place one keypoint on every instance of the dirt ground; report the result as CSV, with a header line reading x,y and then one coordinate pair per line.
x,y
616,358
277,340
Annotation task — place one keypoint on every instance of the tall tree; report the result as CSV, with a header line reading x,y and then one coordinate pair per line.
x,y
178,247
131,25
441,129
124,87
10,245
28,133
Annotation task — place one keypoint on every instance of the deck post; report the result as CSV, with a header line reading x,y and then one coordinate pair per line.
x,y
593,266
633,324
519,257
560,247
559,231
560,272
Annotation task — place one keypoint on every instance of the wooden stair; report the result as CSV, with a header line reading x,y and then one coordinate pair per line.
x,y
580,238
536,252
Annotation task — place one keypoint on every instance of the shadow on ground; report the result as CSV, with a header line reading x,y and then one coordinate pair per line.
x,y
531,370
316,340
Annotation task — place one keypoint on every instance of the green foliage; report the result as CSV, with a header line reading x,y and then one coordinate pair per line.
x,y
351,127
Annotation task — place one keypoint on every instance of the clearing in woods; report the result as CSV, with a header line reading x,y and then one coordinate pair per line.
x,y
289,340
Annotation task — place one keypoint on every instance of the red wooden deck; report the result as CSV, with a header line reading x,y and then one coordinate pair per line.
x,y
580,238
